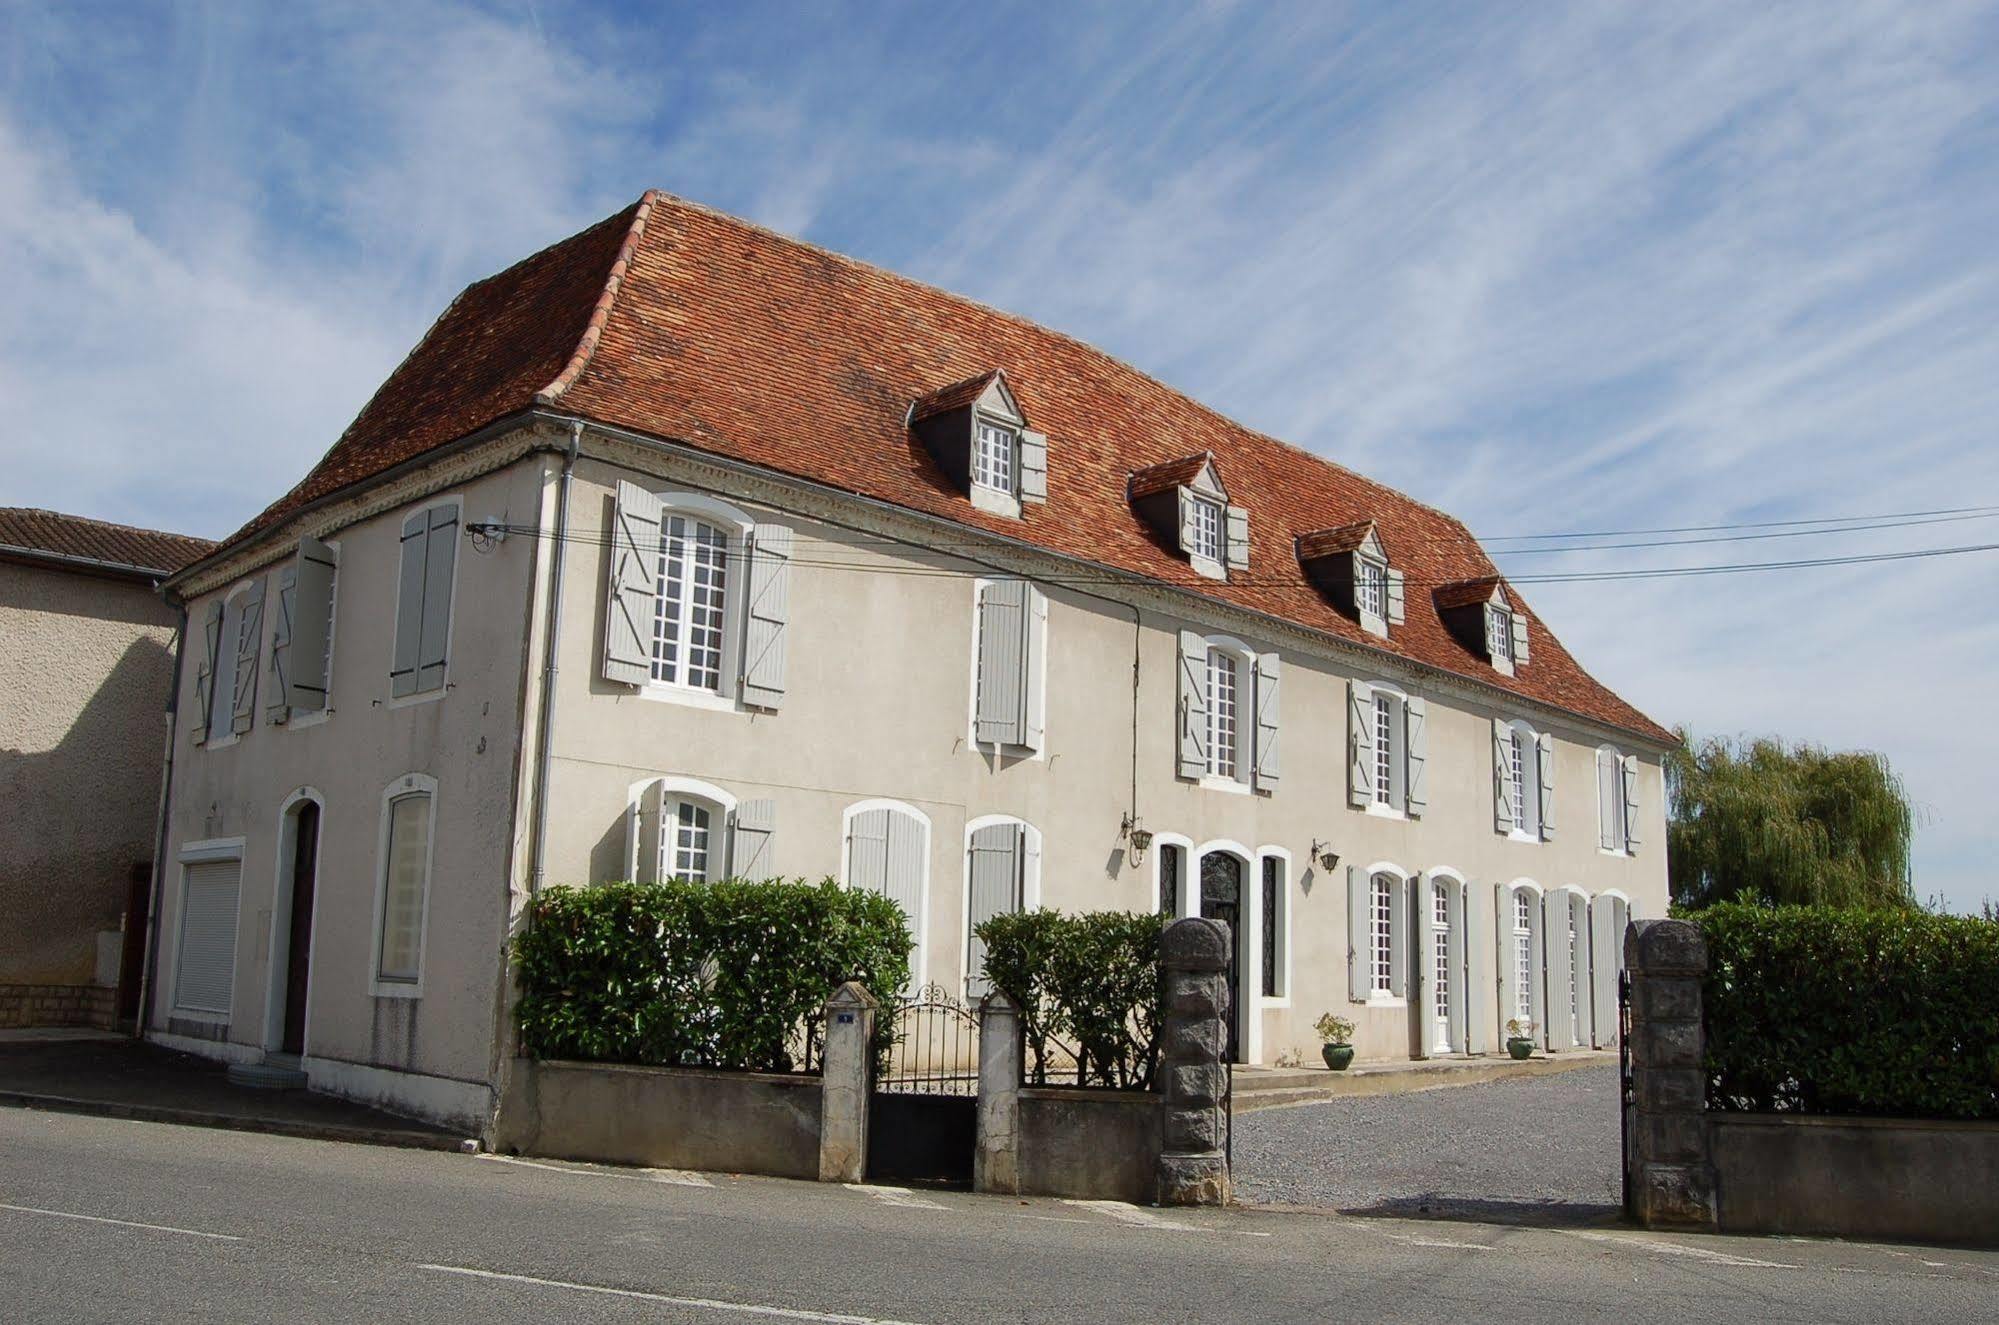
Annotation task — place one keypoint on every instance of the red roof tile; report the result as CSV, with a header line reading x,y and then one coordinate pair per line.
x,y
677,321
1172,474
1332,542
149,552
955,396
1466,592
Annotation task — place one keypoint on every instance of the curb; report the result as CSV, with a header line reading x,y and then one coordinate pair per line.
x,y
405,1138
1405,1081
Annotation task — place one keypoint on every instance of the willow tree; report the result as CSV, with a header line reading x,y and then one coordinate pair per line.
x,y
1762,820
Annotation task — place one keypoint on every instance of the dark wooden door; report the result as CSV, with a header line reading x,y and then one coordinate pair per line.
x,y
298,960
132,959
1221,899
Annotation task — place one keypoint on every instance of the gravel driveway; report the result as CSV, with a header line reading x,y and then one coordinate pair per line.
x,y
1543,1149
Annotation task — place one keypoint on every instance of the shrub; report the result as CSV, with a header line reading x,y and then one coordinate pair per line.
x,y
1088,983
1334,1030
731,975
1820,1010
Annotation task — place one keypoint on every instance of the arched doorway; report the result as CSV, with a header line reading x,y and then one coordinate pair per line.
x,y
1221,899
291,965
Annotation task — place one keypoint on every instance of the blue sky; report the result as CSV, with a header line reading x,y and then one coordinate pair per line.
x,y
1551,267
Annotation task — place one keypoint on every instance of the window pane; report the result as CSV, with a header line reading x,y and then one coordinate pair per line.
x,y
1370,592
1169,880
690,842
693,584
1273,897
1440,922
1221,713
402,900
1384,933
1384,750
1207,530
992,459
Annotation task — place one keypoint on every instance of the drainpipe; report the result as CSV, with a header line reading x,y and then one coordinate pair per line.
x,y
150,958
543,754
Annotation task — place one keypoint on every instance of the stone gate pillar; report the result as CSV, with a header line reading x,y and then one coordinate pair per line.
x,y
1666,1143
843,1084
996,1163
1193,1079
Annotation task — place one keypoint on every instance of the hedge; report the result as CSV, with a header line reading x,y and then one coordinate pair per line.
x,y
728,975
1087,983
1825,1010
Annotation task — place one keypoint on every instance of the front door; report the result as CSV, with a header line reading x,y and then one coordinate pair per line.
x,y
298,961
1221,899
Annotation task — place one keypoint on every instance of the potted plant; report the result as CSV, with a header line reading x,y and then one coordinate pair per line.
x,y
1337,1034
1520,1038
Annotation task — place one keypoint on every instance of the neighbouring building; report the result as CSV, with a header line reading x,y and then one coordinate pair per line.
x,y
685,549
86,664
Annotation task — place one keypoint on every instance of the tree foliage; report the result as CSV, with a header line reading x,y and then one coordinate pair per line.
x,y
1087,983
1761,820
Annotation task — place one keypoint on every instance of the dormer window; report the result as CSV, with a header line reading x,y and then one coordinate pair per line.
x,y
1478,613
979,436
1499,633
1349,564
1185,503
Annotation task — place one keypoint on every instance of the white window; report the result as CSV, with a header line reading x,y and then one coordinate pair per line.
x,y
1523,955
1499,633
1224,674
1206,529
1387,711
993,457
1574,993
1383,946
1519,759
1523,780
407,824
693,599
1371,587
1440,930
691,833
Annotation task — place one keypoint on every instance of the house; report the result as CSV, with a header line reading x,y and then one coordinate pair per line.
x,y
86,661
685,549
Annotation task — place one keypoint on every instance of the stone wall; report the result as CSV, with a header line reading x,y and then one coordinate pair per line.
x,y
57,1005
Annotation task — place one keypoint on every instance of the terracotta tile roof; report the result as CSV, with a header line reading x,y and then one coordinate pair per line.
x,y
1172,474
146,552
1332,542
955,396
680,322
1466,592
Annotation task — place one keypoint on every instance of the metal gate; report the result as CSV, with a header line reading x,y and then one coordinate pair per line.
x,y
1625,1092
923,1111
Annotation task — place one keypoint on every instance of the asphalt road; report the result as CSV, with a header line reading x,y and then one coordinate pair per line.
x,y
105,1220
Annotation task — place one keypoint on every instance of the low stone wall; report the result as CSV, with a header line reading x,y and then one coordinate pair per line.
x,y
57,1005
663,1117
1091,1144
1856,1177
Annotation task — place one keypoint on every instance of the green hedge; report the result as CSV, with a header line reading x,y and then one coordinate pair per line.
x,y
1824,1010
1088,984
730,975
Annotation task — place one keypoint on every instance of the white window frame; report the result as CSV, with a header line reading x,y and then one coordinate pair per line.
x,y
1390,801
983,473
738,528
1012,753
1370,581
1499,632
196,853
1186,845
1211,514
409,784
1523,779
443,687
919,924
1243,780
1282,928
1398,922
673,790
1537,969
1030,883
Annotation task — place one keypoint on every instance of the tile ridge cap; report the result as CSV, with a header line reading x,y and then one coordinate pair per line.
x,y
593,331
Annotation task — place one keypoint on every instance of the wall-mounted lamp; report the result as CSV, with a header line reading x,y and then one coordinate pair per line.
x,y
1329,859
1134,831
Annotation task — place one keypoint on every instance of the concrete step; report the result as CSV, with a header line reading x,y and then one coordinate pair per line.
x,y
1267,1088
276,1072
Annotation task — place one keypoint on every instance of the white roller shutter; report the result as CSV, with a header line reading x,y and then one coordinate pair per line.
x,y
205,974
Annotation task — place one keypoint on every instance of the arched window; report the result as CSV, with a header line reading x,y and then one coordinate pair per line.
x,y
694,832
403,893
1522,913
1440,963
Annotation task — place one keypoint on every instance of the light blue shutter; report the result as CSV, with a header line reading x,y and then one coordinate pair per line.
x,y
1400,937
1606,942
204,672
631,598
1416,753
1455,961
277,695
645,826
1628,770
409,605
1003,634
1585,1028
1519,638
311,666
1398,595
440,556
768,610
249,641
1033,466
867,851
1186,522
1193,744
1360,934
1237,530
1544,766
996,858
1502,783
907,870
1034,704
1555,970
1360,744
1609,800
1268,675
1481,1022
753,841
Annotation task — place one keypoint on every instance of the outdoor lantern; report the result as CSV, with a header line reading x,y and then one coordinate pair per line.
x,y
1329,859
1138,835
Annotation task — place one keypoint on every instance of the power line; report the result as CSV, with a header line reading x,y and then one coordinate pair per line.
x,y
1885,523
1755,524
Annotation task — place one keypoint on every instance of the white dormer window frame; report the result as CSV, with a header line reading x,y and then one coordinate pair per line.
x,y
1370,589
1205,530
1499,632
996,455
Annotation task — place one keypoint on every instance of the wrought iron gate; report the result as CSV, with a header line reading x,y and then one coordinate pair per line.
x,y
1625,1095
923,1112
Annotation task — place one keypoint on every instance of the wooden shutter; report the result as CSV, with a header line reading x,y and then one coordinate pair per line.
x,y
1585,971
1360,744
1455,960
1554,969
907,870
1268,676
1609,800
645,826
1400,937
1481,1022
1033,466
409,604
1605,941
997,854
277,692
867,851
1360,934
440,557
1544,768
1629,786
204,671
1185,508
1193,705
1502,763
1003,631
205,975
1237,533
1416,756
768,610
249,639
1397,598
1034,704
1519,637
310,668
753,841
631,597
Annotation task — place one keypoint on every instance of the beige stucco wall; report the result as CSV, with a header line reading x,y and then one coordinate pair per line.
x,y
84,668
468,739
877,706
